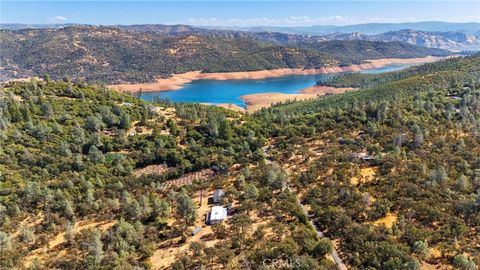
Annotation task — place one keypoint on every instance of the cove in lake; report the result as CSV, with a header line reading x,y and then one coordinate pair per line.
x,y
230,91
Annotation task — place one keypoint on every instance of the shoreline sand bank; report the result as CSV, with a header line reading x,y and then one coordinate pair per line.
x,y
262,100
177,81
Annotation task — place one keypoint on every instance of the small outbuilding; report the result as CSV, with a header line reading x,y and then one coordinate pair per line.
x,y
196,230
218,195
368,158
363,156
217,215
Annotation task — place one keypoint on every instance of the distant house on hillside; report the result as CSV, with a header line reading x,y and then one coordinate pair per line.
x,y
127,104
368,158
217,215
218,195
363,156
152,109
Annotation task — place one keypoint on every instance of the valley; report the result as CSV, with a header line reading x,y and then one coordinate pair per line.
x,y
256,89
239,135
123,176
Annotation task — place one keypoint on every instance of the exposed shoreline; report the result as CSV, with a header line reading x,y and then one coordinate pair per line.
x,y
177,81
256,102
262,100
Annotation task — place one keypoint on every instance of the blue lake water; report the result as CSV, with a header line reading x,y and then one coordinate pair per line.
x,y
230,91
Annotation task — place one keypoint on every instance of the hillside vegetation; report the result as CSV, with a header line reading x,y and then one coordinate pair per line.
x,y
402,152
448,40
114,55
357,80
93,179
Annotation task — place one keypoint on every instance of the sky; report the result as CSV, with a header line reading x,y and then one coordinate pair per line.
x,y
237,13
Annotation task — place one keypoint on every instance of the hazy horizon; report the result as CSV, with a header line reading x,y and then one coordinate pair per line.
x,y
236,26
237,13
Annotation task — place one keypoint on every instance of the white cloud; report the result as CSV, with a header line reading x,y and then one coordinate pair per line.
x,y
57,19
308,21
287,21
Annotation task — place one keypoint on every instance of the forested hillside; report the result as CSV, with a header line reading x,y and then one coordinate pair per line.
x,y
448,40
357,80
351,52
114,55
93,179
394,173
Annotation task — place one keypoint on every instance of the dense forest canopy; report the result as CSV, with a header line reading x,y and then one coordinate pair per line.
x,y
388,172
114,55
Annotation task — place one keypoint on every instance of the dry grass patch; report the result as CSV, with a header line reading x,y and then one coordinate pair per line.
x,y
167,112
139,130
29,222
232,107
169,251
256,102
428,266
366,175
59,239
387,221
435,253
164,257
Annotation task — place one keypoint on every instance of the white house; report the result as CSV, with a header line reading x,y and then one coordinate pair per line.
x,y
217,215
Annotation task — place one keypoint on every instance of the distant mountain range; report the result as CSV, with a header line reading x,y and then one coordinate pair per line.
x,y
443,35
453,41
461,40
20,26
368,28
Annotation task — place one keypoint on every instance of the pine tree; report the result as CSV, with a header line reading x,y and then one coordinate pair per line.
x,y
97,248
186,208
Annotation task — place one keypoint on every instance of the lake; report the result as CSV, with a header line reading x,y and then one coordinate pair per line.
x,y
230,91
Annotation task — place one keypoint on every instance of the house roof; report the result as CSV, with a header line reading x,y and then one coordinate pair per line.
x,y
218,193
218,213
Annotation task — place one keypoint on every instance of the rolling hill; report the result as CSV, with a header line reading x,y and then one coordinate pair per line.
x,y
113,55
458,40
92,178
